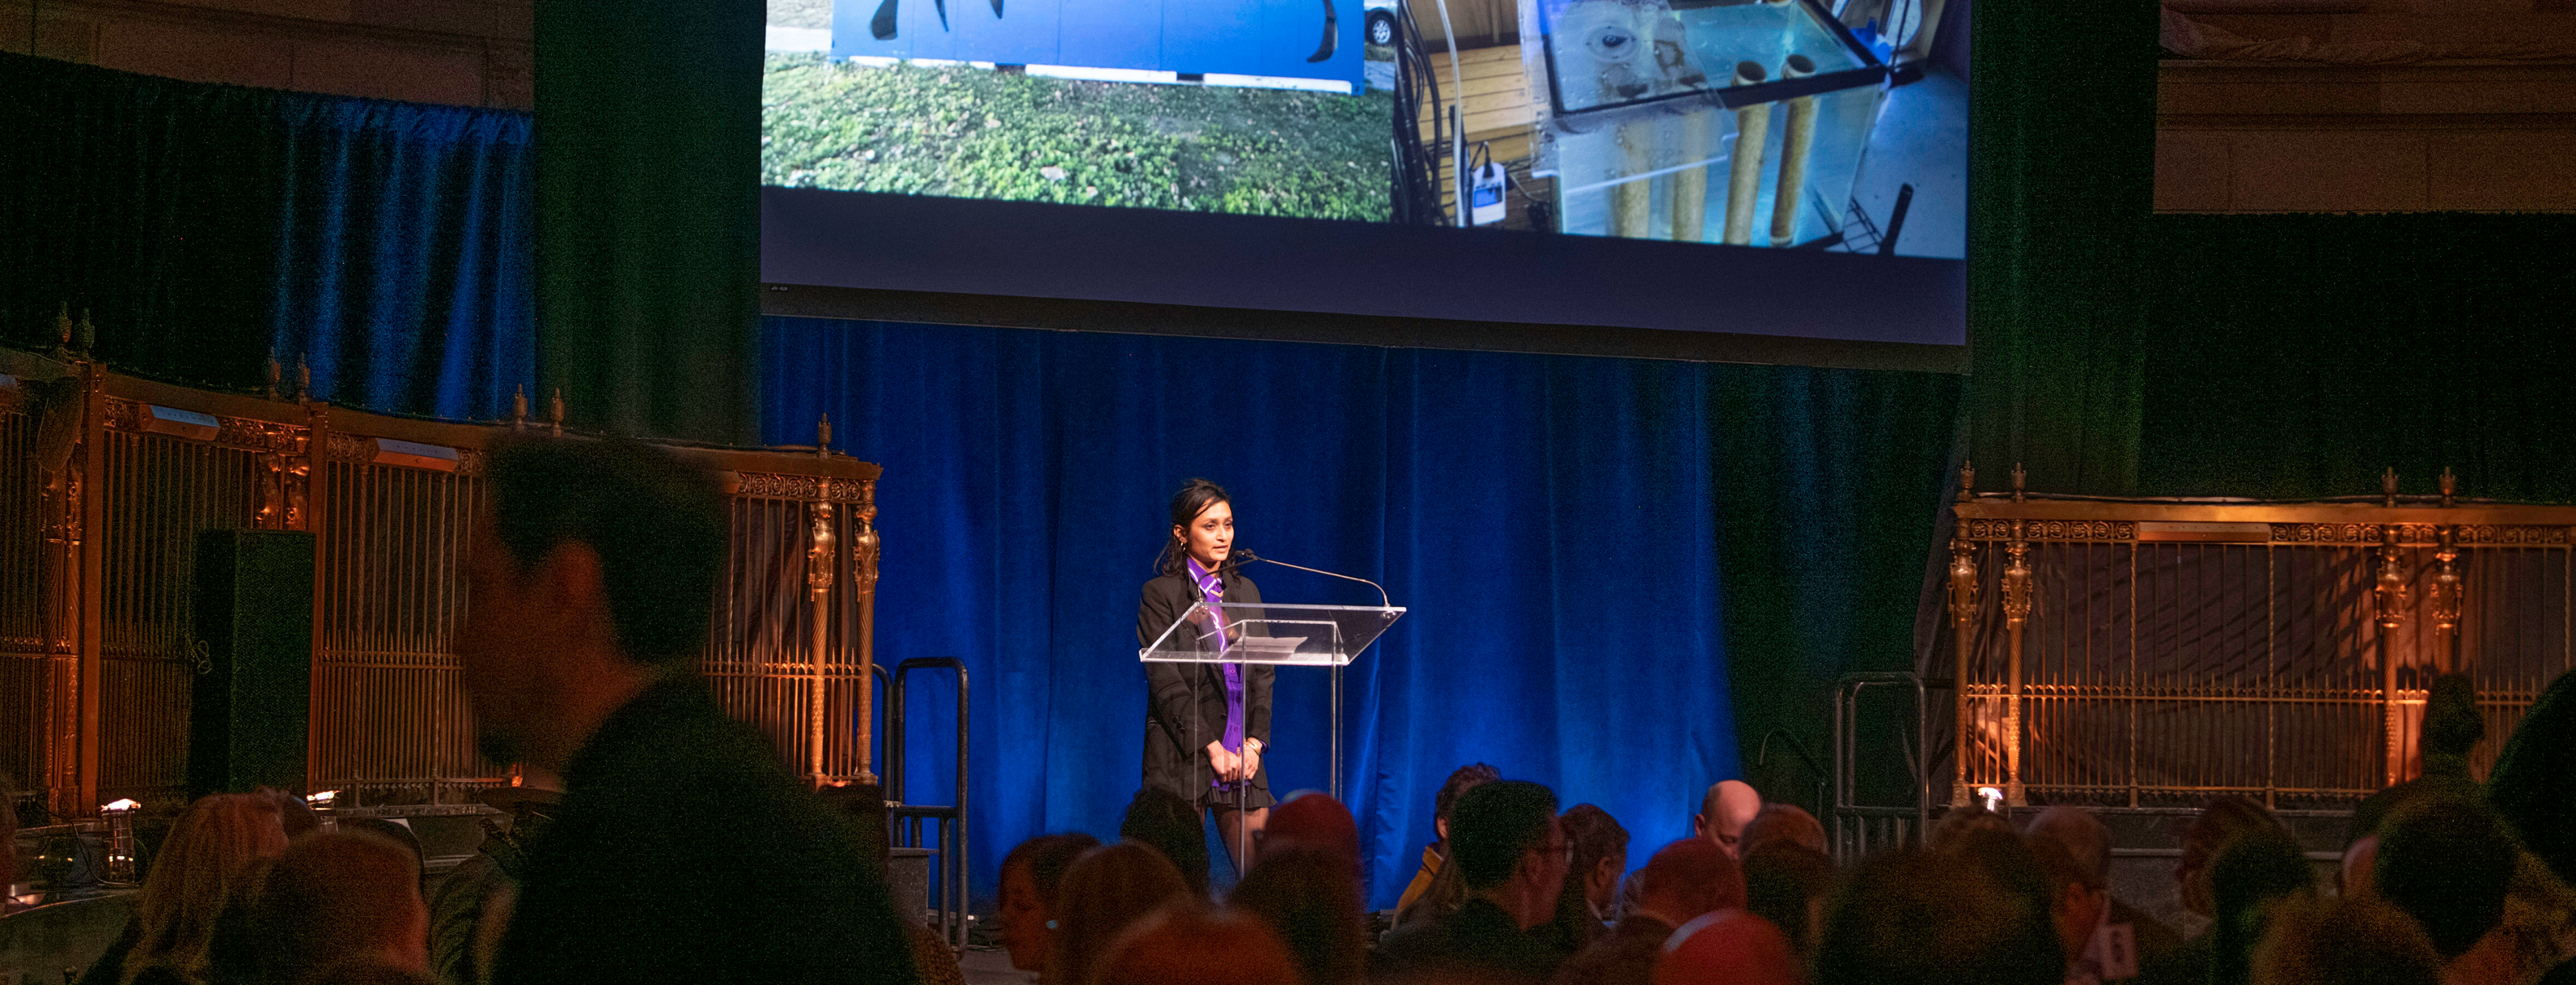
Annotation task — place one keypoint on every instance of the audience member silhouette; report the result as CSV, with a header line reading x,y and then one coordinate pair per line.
x,y
2247,880
1185,943
1169,824
2345,941
864,804
1312,819
1683,881
1725,810
1430,895
1591,879
1511,856
196,891
1310,899
1031,874
1779,823
1789,885
2088,842
2448,862
340,896
1934,918
1727,947
682,850
1106,890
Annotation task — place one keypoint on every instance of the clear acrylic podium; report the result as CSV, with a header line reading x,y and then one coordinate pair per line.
x,y
1281,635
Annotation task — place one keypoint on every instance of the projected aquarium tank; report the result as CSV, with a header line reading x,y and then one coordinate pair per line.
x,y
1700,120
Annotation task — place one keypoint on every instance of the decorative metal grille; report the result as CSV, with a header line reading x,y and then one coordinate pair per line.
x,y
2154,654
106,481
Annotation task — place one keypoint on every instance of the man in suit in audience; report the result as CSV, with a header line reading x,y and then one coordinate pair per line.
x,y
1511,857
2088,843
681,850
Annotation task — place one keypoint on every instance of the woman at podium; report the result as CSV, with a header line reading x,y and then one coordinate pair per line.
x,y
1207,725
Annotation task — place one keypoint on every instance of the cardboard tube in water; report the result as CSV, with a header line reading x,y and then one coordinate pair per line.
x,y
1690,185
1744,179
1795,144
1628,199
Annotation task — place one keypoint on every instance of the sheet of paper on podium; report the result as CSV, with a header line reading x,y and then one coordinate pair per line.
x,y
1271,633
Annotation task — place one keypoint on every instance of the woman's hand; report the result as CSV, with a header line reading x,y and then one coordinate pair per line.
x,y
1251,761
1229,767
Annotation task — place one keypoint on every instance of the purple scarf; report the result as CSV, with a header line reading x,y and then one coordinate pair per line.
x,y
1212,588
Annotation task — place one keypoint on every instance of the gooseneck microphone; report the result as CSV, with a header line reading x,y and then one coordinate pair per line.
x,y
1242,556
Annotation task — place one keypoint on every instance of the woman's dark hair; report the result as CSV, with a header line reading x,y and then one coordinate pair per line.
x,y
1779,878
1169,824
1105,891
1309,899
1594,835
2448,861
1934,918
1047,856
1194,498
2250,875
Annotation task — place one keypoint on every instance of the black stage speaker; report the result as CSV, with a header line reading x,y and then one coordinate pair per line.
x,y
255,616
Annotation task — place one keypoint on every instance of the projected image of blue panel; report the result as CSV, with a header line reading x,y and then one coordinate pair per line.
x,y
1286,39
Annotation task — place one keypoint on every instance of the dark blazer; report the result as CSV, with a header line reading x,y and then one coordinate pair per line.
x,y
684,852
1178,729
1479,942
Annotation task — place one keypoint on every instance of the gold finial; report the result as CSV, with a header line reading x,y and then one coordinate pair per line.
x,y
555,411
2388,487
63,327
2450,485
1967,481
823,435
276,374
88,333
519,407
2019,479
303,379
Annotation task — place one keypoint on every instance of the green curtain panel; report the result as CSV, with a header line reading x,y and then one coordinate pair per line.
x,y
648,214
2060,184
2299,355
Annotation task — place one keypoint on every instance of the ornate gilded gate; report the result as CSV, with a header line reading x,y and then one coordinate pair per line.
x,y
2152,653
105,481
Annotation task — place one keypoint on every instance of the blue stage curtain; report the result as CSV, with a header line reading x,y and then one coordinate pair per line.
x,y
1552,524
206,228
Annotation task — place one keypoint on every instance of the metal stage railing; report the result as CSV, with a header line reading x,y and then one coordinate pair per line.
x,y
948,822
1854,828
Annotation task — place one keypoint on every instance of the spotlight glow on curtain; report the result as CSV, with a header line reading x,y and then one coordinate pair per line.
x,y
1547,521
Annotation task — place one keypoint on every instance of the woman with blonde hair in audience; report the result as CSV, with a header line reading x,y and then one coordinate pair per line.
x,y
205,868
1103,893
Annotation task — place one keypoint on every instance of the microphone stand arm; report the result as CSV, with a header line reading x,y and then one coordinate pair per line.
x,y
1381,589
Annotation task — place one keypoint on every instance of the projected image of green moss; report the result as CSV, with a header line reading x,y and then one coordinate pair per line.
x,y
978,133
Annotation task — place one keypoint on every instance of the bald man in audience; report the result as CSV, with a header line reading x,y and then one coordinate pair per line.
x,y
2087,845
1724,812
335,897
1684,880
